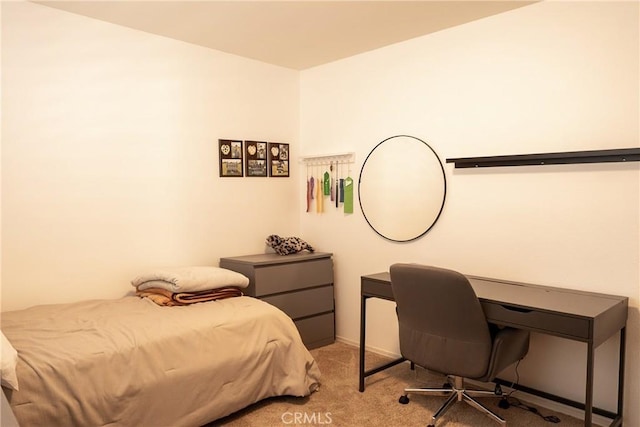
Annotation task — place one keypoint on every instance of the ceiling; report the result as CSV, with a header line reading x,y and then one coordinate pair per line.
x,y
292,34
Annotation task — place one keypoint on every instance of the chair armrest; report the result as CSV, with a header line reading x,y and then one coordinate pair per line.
x,y
509,346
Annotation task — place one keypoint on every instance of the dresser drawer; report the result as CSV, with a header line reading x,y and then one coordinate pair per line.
x,y
273,279
304,303
550,323
317,331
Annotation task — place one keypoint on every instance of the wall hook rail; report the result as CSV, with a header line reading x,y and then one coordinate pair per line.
x,y
325,159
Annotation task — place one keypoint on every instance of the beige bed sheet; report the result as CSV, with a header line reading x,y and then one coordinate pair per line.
x,y
130,362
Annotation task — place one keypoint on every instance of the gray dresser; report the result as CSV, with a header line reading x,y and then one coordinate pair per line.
x,y
300,284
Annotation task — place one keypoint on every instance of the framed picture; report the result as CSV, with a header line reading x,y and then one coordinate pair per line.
x,y
230,152
255,154
278,159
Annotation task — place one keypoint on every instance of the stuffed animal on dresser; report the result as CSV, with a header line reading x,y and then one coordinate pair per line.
x,y
287,245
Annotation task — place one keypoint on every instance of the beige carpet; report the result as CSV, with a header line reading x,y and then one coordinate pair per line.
x,y
339,403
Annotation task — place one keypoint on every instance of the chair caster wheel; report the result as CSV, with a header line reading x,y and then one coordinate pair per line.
x,y
404,399
431,425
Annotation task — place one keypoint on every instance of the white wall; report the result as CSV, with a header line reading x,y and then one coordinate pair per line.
x,y
555,76
109,155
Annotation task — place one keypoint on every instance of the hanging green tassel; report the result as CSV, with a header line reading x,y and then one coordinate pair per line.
x,y
327,184
348,195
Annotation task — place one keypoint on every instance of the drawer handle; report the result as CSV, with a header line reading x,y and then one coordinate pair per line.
x,y
518,309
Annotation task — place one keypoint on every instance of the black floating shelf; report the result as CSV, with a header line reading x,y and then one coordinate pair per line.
x,y
593,156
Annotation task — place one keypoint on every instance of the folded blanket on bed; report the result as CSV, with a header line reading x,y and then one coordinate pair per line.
x,y
167,298
190,279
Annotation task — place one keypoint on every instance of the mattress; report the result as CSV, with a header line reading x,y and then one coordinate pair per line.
x,y
130,362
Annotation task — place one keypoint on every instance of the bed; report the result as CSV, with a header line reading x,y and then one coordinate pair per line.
x,y
132,362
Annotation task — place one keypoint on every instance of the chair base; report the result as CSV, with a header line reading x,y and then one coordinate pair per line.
x,y
457,393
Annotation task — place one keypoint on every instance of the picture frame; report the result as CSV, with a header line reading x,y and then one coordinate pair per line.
x,y
230,153
256,158
278,159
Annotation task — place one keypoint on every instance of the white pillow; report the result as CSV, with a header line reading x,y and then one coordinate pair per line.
x,y
9,361
190,279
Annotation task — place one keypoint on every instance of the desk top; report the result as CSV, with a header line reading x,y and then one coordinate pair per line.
x,y
545,298
547,308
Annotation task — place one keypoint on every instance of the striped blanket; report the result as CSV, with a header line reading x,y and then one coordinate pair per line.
x,y
167,298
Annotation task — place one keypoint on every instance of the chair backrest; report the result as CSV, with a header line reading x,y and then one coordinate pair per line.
x,y
442,325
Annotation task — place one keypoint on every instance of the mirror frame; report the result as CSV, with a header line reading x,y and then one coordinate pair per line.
x,y
444,195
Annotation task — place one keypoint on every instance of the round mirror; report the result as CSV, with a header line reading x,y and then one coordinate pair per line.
x,y
402,188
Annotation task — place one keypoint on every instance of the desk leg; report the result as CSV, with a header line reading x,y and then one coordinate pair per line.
x,y
363,373
621,361
588,401
363,321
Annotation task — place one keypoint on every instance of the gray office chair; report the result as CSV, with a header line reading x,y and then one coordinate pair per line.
x,y
443,329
